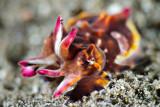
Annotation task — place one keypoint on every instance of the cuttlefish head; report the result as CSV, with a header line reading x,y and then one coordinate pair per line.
x,y
88,61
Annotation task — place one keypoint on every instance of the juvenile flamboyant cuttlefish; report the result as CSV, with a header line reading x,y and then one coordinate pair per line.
x,y
94,45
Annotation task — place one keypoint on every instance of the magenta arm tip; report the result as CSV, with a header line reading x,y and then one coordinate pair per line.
x,y
127,12
28,71
58,24
22,63
69,39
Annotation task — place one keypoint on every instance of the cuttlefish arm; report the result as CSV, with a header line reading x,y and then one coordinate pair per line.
x,y
66,42
29,66
49,53
51,73
57,35
68,82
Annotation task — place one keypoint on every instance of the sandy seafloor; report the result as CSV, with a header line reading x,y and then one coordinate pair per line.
x,y
25,23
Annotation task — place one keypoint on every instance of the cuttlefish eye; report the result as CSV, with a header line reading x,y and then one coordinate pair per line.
x,y
88,62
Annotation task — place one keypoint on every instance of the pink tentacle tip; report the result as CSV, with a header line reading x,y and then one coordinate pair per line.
x,y
69,39
127,11
28,71
73,31
58,24
22,63
57,94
